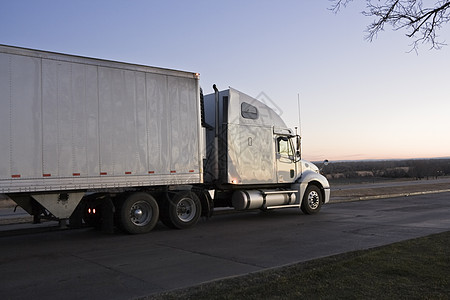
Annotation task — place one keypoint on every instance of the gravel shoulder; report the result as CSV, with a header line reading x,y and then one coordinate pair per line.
x,y
5,202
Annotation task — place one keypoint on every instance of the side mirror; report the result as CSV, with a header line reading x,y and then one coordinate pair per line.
x,y
325,163
298,147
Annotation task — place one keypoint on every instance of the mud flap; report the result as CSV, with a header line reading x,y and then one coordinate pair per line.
x,y
108,210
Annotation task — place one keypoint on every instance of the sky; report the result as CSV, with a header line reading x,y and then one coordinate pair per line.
x,y
358,99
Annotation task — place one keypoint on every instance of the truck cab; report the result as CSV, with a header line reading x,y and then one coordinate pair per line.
x,y
254,157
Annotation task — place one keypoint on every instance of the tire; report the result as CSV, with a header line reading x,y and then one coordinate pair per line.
x,y
181,211
139,213
312,200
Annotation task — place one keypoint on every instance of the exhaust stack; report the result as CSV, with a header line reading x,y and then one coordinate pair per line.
x,y
216,135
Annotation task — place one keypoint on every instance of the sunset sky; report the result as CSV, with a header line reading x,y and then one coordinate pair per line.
x,y
359,100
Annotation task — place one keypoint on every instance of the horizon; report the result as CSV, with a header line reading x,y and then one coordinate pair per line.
x,y
383,159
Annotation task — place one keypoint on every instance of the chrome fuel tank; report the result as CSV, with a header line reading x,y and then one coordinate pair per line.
x,y
254,199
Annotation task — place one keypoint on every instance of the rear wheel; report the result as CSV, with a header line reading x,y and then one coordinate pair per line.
x,y
312,200
181,211
139,213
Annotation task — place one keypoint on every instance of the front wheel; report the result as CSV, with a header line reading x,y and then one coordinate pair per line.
x,y
312,200
181,211
139,213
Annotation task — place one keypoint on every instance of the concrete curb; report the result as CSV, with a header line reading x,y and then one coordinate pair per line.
x,y
374,197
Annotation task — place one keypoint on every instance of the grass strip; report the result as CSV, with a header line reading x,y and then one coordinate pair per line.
x,y
412,269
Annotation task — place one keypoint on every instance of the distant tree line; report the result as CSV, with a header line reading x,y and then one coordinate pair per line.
x,y
415,168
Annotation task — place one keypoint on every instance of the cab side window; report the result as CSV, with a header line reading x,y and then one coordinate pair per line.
x,y
249,111
284,146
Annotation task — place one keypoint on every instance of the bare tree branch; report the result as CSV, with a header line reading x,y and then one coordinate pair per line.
x,y
420,23
337,4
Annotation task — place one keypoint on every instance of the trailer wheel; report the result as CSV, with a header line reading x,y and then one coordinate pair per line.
x,y
312,200
139,213
181,211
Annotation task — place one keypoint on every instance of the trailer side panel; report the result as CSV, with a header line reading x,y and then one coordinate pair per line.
x,y
71,123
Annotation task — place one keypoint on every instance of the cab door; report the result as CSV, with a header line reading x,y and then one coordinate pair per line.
x,y
285,160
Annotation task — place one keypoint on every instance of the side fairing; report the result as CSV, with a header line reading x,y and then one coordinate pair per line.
x,y
251,154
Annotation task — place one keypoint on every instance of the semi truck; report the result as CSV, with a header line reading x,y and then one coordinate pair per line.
x,y
111,144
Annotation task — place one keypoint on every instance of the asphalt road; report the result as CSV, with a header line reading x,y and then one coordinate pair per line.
x,y
87,264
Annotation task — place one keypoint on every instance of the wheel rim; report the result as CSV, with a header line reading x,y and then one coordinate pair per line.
x,y
313,200
186,209
141,213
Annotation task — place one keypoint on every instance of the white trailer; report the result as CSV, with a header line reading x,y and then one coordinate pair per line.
x,y
99,142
